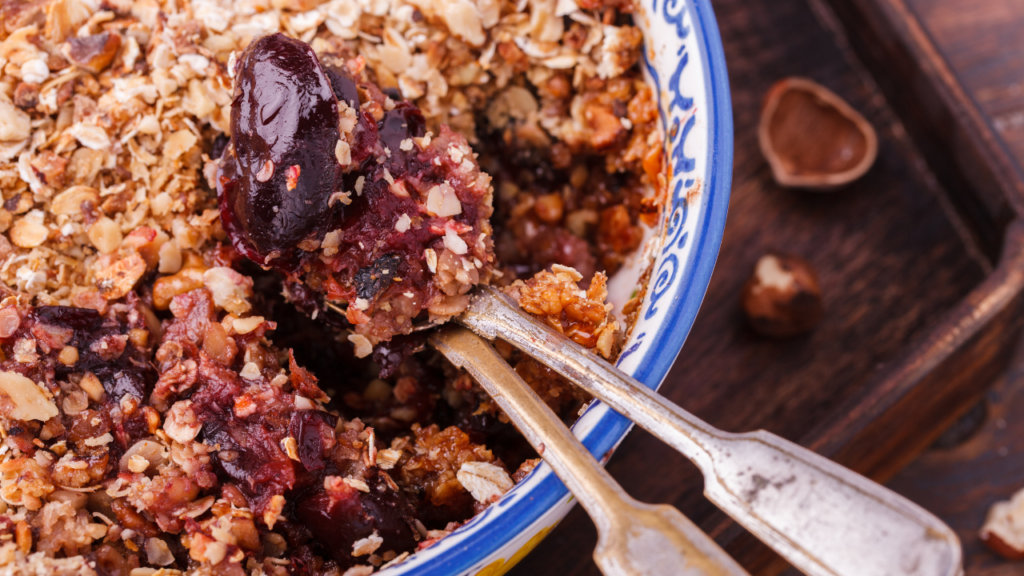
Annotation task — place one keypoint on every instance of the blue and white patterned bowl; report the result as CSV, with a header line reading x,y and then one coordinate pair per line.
x,y
685,63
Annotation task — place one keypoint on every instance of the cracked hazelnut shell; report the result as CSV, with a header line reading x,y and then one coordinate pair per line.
x,y
812,138
1003,532
782,298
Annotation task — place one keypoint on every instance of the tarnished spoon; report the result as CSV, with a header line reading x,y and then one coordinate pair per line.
x,y
633,538
824,519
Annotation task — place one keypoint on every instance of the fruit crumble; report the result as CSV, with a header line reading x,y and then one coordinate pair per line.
x,y
222,224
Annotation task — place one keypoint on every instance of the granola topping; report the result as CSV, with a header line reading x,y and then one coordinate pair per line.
x,y
163,409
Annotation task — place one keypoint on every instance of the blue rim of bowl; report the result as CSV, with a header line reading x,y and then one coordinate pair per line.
x,y
682,311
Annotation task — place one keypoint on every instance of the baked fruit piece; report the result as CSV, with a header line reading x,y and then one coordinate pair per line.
x,y
342,189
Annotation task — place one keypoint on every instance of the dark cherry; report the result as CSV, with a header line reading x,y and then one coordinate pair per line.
x,y
403,122
337,523
344,86
284,126
314,432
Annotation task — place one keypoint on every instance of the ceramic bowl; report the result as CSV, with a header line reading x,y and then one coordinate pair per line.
x,y
684,61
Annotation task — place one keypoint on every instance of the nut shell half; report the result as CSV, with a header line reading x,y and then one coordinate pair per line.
x,y
812,138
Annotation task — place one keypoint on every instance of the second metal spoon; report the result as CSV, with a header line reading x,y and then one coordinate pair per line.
x,y
633,538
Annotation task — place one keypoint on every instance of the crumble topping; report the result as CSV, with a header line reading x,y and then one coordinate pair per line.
x,y
153,414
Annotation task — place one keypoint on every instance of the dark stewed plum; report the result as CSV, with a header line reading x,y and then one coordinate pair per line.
x,y
347,192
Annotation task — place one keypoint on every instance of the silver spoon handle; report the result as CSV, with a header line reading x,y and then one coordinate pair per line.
x,y
633,538
824,519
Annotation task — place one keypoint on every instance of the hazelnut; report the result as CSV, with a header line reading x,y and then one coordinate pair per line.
x,y
1003,531
782,298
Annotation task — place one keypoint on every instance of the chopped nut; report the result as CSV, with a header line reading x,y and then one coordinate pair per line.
x,y
181,424
290,447
229,288
246,325
23,537
442,201
118,279
105,235
68,356
363,347
403,223
92,386
26,95
166,288
343,152
93,53
10,321
250,371
26,399
273,510
159,553
15,125
170,258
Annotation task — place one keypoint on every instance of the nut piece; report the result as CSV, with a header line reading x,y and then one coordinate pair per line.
x,y
26,95
118,279
181,424
93,53
783,297
1003,531
105,235
812,138
23,399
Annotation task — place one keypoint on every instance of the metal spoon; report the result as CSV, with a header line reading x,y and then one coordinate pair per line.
x,y
824,519
633,538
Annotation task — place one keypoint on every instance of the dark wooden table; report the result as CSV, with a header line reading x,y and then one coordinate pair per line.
x,y
721,374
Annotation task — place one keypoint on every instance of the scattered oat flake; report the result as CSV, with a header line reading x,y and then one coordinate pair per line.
x,y
431,257
368,545
453,242
99,440
343,197
485,481
357,484
363,348
343,152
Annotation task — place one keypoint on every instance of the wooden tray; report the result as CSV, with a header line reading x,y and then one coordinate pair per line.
x,y
921,264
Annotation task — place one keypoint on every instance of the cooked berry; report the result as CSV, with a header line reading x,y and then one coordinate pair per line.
x,y
284,125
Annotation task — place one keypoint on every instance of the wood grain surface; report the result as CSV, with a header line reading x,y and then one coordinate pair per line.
x,y
959,483
983,43
891,254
